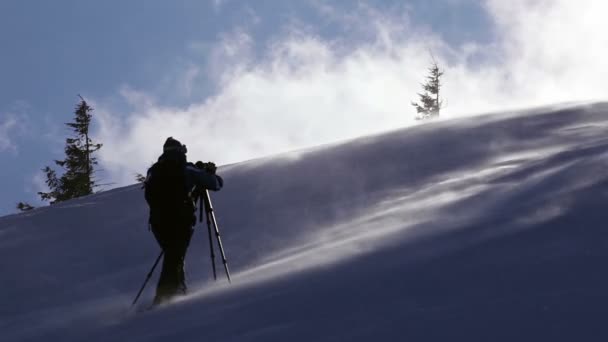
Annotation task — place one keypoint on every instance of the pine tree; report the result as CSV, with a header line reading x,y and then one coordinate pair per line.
x,y
430,102
77,180
140,178
23,206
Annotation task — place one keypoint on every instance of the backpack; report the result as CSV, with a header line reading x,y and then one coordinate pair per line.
x,y
166,193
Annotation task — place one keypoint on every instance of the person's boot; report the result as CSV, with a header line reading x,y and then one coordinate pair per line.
x,y
163,295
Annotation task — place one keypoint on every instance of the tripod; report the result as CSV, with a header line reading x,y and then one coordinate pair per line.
x,y
205,203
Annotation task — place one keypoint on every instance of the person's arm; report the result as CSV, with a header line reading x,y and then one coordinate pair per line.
x,y
204,179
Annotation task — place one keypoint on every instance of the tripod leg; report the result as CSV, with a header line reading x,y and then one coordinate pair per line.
x,y
147,278
207,212
219,242
211,212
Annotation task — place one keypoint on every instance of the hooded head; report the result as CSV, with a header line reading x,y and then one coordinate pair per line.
x,y
174,145
174,150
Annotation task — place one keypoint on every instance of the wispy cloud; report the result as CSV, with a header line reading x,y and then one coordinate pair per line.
x,y
32,185
6,126
306,90
12,125
217,5
187,82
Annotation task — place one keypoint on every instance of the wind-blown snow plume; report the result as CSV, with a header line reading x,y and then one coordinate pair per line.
x,y
492,219
307,89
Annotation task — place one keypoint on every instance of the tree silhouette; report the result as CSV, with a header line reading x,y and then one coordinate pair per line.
x,y
430,103
77,180
23,206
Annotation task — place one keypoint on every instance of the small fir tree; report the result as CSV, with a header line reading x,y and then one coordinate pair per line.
x,y
23,206
77,180
140,178
430,103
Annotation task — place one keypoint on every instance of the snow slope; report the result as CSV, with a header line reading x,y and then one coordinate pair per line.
x,y
489,228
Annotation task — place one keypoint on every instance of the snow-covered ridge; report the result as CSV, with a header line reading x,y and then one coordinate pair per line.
x,y
486,228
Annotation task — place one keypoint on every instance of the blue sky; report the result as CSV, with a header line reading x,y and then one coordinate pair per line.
x,y
236,80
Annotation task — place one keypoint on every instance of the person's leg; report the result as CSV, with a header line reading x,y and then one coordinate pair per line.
x,y
181,249
172,278
167,279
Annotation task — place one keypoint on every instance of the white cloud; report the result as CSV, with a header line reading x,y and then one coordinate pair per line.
x,y
554,50
6,125
33,184
217,5
187,82
11,126
230,56
307,90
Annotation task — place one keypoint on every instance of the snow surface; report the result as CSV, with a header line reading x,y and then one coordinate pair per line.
x,y
490,228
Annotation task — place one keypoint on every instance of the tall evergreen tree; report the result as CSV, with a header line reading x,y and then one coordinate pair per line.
x,y
78,177
430,102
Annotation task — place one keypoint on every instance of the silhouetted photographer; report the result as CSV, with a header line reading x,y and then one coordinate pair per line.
x,y
172,187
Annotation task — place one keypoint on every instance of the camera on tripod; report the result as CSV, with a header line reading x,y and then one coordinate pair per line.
x,y
208,166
